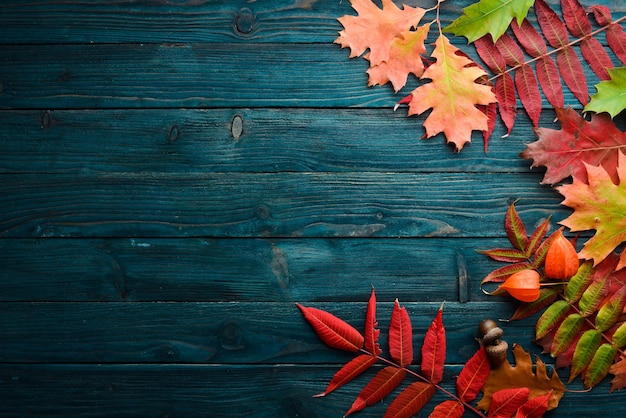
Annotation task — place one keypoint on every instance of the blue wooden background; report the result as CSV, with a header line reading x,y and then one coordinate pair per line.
x,y
175,175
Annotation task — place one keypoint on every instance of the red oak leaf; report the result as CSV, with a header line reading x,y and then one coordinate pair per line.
x,y
565,152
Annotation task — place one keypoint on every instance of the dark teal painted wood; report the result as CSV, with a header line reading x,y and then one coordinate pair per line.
x,y
151,251
226,332
270,140
199,75
274,204
214,270
266,391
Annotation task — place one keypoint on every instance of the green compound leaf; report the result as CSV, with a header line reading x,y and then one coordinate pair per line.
x,y
566,334
585,349
489,16
619,336
611,95
593,296
610,312
580,282
551,318
600,364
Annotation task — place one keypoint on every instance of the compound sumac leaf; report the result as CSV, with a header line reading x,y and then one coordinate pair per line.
x,y
505,402
334,332
448,409
473,376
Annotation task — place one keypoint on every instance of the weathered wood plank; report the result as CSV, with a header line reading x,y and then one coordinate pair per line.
x,y
269,140
275,204
223,332
216,391
163,21
189,75
215,270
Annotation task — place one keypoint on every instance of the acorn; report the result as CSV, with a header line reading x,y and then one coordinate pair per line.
x,y
496,348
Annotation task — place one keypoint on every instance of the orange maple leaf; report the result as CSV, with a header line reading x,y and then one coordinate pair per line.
x,y
375,29
619,370
404,58
453,95
599,205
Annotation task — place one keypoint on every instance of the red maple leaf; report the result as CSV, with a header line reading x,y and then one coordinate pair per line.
x,y
565,152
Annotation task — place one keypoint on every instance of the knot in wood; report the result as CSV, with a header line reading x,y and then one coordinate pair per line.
x,y
236,127
244,21
173,134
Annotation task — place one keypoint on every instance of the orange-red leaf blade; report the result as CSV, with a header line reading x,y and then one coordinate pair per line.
x,y
334,332
535,407
371,332
348,372
434,349
381,385
515,229
473,376
448,409
411,400
400,336
505,402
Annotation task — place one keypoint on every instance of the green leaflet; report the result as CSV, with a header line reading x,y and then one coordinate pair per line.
x,y
550,318
565,335
593,296
515,229
489,16
600,364
585,349
526,309
579,283
610,312
619,337
611,95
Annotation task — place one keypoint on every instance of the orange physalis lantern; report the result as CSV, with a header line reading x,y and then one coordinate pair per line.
x,y
523,286
561,260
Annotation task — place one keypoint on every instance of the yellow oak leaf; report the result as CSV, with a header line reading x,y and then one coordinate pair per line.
x,y
375,29
404,58
506,376
598,204
453,95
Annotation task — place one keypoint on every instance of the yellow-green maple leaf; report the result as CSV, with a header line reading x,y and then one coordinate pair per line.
x,y
599,204
452,95
611,95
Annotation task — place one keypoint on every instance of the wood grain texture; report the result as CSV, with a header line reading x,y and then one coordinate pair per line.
x,y
190,76
199,390
244,270
272,204
269,140
219,332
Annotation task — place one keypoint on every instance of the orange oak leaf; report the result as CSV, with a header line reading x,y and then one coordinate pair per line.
x,y
506,376
599,204
619,370
375,29
565,152
452,94
404,59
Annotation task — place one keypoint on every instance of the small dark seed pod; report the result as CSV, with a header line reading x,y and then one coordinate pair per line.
x,y
486,326
497,353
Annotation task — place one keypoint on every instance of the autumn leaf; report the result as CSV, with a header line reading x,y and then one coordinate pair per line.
x,y
473,376
506,376
598,205
348,372
452,95
578,143
434,349
505,402
371,332
611,95
404,59
400,336
381,385
411,400
489,16
618,369
334,332
375,29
